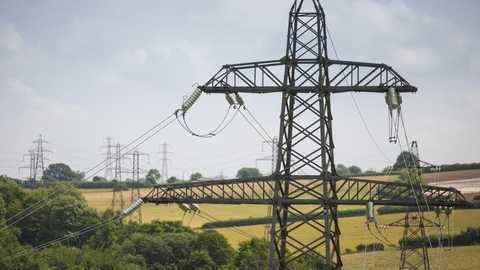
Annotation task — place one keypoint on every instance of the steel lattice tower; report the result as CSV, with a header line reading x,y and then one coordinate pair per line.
x,y
165,160
137,215
300,201
37,166
108,158
118,187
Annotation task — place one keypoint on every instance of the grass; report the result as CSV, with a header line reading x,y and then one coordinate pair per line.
x,y
353,229
459,258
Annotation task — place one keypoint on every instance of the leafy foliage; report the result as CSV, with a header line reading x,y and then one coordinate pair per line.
x,y
61,172
248,172
196,176
253,254
152,176
406,159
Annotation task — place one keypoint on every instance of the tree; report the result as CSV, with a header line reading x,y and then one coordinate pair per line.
x,y
61,172
199,260
152,176
66,214
354,170
62,257
97,179
217,246
173,179
406,159
253,254
406,176
196,176
246,172
341,169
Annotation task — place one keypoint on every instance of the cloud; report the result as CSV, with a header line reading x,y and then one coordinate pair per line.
x,y
124,63
475,63
140,57
9,37
78,37
44,107
415,58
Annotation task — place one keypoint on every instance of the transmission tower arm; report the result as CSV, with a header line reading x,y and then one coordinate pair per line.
x,y
267,77
348,192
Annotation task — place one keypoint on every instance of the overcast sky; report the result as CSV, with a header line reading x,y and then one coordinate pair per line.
x,y
78,72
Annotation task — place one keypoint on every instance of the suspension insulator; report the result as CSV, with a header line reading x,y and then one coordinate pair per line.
x,y
448,210
239,99
194,207
393,99
437,210
192,99
134,206
229,99
370,212
184,207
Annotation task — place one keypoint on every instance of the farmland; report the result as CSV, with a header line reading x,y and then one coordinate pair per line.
x,y
353,229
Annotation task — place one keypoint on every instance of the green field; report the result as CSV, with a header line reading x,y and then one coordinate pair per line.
x,y
353,229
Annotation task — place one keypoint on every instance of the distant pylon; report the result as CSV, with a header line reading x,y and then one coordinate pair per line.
x,y
165,160
36,160
273,144
136,215
118,187
108,158
273,157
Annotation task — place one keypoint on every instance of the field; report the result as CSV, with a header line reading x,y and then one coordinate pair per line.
x,y
353,229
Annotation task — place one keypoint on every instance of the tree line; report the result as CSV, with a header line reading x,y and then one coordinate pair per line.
x,y
32,223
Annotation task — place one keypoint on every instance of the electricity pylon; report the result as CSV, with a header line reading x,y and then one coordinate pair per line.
x,y
165,160
108,158
306,188
137,215
37,158
118,187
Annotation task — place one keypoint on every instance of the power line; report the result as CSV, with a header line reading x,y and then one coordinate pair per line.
x,y
53,196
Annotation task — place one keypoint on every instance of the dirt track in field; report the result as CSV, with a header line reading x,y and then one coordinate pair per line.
x,y
467,181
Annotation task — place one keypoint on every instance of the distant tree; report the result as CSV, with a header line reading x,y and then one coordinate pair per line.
x,y
62,257
61,172
196,176
405,176
97,179
341,169
199,259
252,254
405,159
152,176
12,195
173,179
217,246
246,172
354,170
310,260
64,215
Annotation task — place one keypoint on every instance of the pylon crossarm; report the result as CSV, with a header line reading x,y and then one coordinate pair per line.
x,y
305,191
254,77
365,77
267,77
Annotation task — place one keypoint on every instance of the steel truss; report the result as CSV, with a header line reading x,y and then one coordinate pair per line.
x,y
306,188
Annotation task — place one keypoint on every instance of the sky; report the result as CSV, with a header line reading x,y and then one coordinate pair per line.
x,y
79,72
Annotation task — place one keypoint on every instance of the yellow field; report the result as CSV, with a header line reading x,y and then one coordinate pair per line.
x,y
353,229
459,258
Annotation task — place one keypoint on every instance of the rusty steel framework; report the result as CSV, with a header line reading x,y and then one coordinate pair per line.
x,y
304,201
